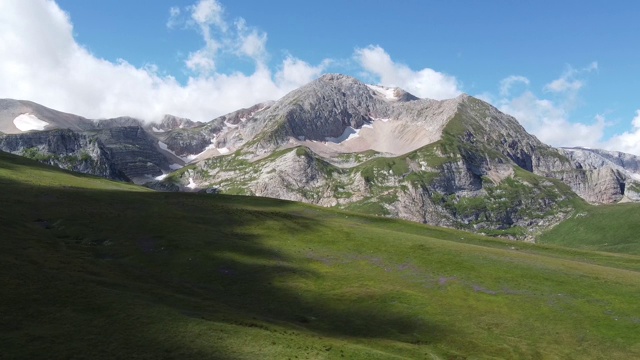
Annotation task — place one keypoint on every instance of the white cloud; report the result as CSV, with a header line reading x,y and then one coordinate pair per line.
x,y
201,61
251,42
550,119
507,83
550,122
240,40
568,81
426,83
564,84
628,141
207,16
41,61
295,72
208,12
174,16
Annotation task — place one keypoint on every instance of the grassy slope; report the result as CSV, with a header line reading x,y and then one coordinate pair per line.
x,y
612,228
92,268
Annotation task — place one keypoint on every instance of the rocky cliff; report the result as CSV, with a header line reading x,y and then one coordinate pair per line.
x,y
338,142
119,148
121,153
341,143
66,149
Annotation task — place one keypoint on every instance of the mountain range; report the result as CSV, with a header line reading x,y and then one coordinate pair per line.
x,y
338,142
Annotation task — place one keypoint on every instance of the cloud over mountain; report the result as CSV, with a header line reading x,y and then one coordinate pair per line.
x,y
41,61
425,83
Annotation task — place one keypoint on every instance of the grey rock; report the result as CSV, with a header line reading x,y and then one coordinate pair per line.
x,y
10,109
340,143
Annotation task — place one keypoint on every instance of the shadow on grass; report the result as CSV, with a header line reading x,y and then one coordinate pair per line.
x,y
111,274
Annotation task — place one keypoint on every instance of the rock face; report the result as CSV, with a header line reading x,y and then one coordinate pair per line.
x,y
170,122
66,149
120,153
341,143
602,177
133,151
458,162
11,109
119,148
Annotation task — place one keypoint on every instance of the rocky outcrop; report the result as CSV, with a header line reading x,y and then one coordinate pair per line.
x,y
65,149
341,143
458,163
117,122
133,151
184,142
601,177
10,109
170,122
120,153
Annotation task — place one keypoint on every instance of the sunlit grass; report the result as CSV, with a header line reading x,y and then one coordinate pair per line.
x,y
611,228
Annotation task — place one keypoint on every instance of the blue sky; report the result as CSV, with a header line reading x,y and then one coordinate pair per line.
x,y
568,70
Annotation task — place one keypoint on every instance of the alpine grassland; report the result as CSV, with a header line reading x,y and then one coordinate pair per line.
x,y
96,269
611,228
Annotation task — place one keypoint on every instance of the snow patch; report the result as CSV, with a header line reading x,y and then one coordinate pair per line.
x,y
380,119
348,134
230,125
211,146
175,166
155,129
192,184
387,93
190,157
161,177
26,122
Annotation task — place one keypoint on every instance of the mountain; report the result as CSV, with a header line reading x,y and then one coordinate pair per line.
x,y
98,269
603,177
338,142
122,148
18,116
457,163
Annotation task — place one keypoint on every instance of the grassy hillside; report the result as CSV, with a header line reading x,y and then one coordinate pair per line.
x,y
612,228
96,269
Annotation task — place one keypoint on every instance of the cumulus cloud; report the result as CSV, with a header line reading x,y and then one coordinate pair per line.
x,y
41,61
206,13
507,83
425,83
569,82
550,121
628,141
550,118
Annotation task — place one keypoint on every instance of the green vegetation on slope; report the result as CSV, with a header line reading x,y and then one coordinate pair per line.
x,y
611,228
97,269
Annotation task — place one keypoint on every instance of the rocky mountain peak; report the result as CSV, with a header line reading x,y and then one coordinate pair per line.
x,y
171,122
18,116
117,122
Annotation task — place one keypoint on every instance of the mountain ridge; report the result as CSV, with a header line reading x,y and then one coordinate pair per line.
x,y
339,142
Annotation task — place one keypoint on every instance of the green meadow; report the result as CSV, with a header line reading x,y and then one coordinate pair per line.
x,y
610,228
91,268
